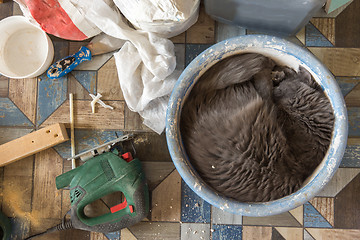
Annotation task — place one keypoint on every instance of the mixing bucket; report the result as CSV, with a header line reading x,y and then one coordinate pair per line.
x,y
284,53
25,50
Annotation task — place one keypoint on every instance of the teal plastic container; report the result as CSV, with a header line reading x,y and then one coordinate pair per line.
x,y
280,17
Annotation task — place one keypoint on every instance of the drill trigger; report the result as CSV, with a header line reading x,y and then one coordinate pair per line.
x,y
121,206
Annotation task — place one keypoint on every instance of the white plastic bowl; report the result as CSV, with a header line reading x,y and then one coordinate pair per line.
x,y
25,50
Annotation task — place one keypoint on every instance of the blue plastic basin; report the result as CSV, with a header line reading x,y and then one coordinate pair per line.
x,y
285,53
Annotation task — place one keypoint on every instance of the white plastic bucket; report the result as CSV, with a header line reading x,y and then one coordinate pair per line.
x,y
25,50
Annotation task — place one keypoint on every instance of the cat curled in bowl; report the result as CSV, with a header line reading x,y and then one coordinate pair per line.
x,y
254,131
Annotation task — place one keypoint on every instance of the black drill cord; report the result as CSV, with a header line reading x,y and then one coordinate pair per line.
x,y
62,226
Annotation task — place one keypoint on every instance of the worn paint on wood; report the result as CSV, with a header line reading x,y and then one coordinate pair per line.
x,y
354,120
133,121
4,86
17,187
347,32
253,233
78,91
290,233
347,206
312,218
103,118
334,234
203,31
194,231
152,231
340,61
352,154
156,172
325,206
193,208
353,98
341,178
51,94
314,38
87,79
298,214
108,82
219,216
181,38
347,84
284,219
23,92
166,207
10,115
326,26
46,198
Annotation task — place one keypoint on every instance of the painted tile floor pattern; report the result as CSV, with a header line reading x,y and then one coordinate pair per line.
x,y
28,193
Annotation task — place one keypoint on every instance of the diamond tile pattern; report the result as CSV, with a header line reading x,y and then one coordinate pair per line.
x,y
27,191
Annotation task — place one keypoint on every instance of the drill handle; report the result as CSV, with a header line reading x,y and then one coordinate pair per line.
x,y
64,179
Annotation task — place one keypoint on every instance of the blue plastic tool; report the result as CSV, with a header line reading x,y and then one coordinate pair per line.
x,y
66,65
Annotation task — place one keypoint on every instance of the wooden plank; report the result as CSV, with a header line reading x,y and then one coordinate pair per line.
x,y
74,234
103,118
334,234
166,207
133,121
284,220
326,26
108,82
341,178
4,86
340,61
155,231
126,234
41,225
77,89
97,236
17,189
301,35
150,147
6,9
219,216
347,206
23,92
46,198
195,231
347,26
298,214
32,143
179,38
352,99
156,172
255,233
291,233
325,206
203,31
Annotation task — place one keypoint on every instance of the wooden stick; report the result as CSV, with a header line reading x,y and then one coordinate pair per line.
x,y
32,143
72,131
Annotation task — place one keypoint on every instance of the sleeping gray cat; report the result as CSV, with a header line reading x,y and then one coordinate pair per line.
x,y
255,131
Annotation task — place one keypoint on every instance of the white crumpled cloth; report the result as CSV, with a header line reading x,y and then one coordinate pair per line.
x,y
145,64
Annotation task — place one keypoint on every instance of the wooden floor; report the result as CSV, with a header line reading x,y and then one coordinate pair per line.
x,y
27,191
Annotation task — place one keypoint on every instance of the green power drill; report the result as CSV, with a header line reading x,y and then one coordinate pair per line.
x,y
5,227
100,176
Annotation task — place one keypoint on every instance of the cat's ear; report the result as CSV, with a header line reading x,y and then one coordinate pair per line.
x,y
305,77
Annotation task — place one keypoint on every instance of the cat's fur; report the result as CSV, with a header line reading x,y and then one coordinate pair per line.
x,y
251,140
